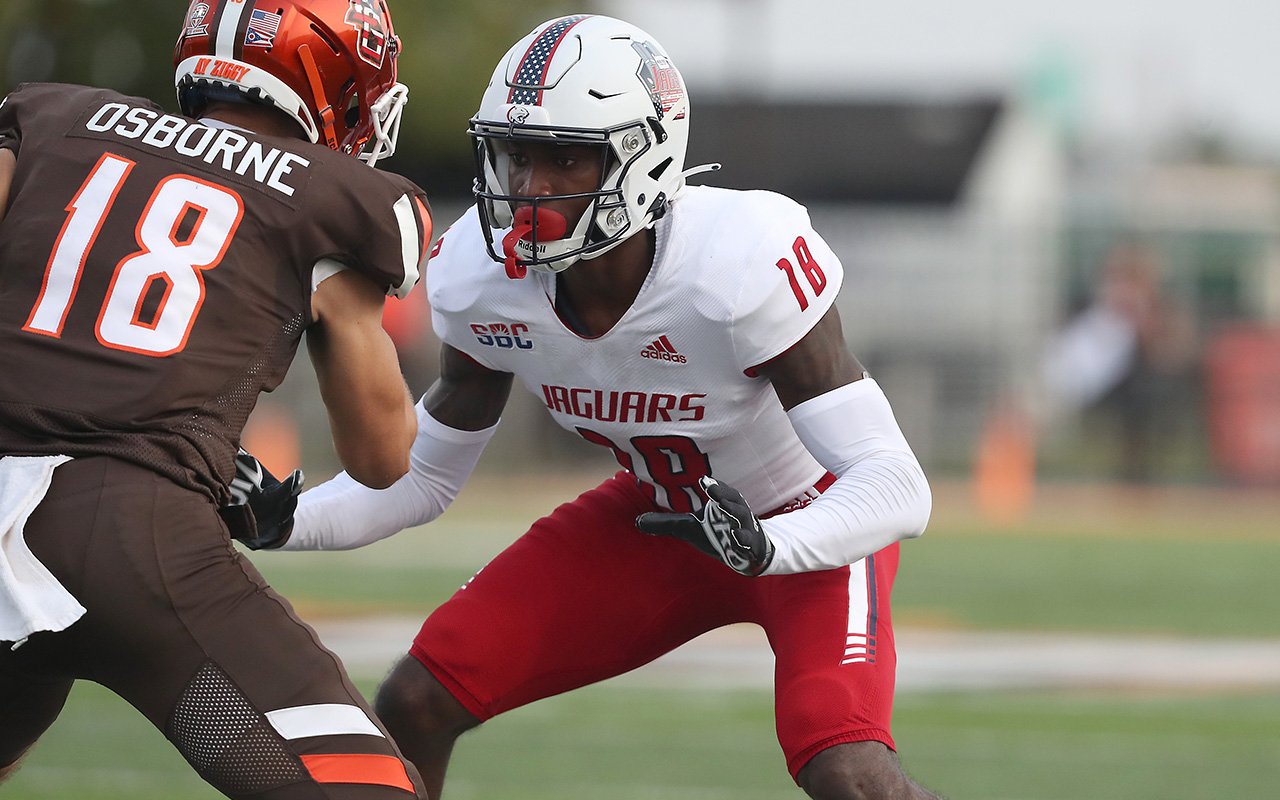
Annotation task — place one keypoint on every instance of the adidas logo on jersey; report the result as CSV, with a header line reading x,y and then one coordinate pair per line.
x,y
661,349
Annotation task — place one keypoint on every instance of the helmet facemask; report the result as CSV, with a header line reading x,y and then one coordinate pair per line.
x,y
606,222
386,113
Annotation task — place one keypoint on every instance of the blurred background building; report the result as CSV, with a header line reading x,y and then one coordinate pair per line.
x,y
980,168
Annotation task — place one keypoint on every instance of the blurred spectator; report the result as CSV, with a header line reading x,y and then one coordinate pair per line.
x,y
1125,357
1127,354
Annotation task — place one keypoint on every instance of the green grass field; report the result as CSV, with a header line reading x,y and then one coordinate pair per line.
x,y
630,744
1196,565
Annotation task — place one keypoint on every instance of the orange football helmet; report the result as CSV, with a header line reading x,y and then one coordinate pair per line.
x,y
328,64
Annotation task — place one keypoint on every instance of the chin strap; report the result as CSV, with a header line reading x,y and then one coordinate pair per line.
x,y
317,89
545,226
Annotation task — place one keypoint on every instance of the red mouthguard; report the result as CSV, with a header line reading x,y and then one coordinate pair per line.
x,y
550,225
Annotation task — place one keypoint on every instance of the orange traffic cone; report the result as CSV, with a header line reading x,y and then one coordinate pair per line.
x,y
1004,470
271,435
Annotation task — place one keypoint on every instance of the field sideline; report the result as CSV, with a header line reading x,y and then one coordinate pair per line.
x,y
1114,644
738,657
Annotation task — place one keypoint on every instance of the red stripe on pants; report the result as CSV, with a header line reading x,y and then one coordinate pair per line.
x,y
358,768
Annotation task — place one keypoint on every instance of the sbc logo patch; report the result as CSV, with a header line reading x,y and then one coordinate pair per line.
x,y
502,336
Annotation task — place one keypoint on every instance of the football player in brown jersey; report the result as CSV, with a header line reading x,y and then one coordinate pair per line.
x,y
157,273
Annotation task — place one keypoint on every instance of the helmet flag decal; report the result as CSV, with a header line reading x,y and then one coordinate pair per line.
x,y
532,74
263,27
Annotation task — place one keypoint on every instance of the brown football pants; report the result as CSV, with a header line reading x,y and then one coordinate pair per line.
x,y
185,629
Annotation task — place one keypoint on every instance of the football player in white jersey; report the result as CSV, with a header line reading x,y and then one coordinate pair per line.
x,y
692,331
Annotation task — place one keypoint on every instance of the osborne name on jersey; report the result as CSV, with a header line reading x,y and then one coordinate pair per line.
x,y
613,406
223,148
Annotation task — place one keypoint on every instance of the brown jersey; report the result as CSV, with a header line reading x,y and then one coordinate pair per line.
x,y
155,273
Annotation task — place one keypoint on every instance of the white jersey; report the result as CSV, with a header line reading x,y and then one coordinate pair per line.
x,y
738,278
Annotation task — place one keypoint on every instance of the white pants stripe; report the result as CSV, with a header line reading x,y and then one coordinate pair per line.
x,y
322,719
860,642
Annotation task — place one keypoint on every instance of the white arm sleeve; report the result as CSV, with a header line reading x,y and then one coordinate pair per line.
x,y
341,514
880,495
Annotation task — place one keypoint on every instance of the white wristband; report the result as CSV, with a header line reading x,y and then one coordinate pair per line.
x,y
880,495
342,514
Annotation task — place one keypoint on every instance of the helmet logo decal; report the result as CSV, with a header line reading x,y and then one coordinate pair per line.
x,y
196,25
531,75
660,76
517,115
263,27
366,18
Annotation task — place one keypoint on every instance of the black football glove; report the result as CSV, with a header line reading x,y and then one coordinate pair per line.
x,y
260,513
727,529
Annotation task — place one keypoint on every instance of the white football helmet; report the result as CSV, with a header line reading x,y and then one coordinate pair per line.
x,y
592,80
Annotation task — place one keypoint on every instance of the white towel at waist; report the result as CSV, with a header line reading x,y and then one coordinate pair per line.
x,y
31,598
